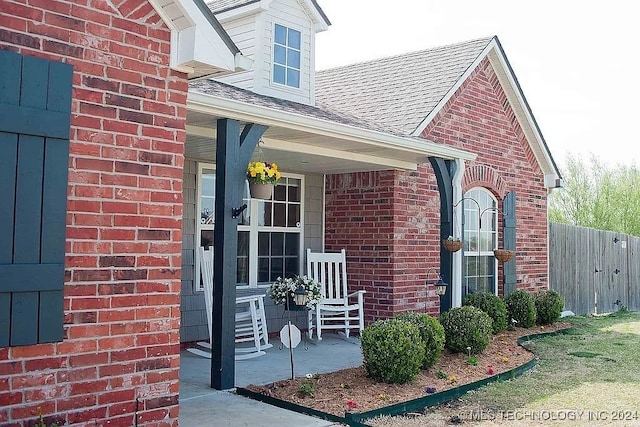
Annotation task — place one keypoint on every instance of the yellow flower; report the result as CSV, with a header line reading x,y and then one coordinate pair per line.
x,y
505,359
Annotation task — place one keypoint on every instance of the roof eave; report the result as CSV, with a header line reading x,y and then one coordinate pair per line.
x,y
246,112
199,44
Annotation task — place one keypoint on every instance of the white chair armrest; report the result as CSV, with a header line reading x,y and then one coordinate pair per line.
x,y
353,294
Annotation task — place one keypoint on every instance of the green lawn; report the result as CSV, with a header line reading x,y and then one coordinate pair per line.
x,y
587,376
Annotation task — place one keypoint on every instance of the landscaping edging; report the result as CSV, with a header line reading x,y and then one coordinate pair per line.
x,y
355,419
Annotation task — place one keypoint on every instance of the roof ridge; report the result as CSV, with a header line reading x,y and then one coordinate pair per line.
x,y
486,39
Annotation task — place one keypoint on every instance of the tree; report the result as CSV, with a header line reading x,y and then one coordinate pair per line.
x,y
598,196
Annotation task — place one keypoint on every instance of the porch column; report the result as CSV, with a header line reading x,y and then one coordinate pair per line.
x,y
233,153
444,171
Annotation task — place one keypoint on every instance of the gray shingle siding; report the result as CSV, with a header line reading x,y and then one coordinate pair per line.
x,y
193,326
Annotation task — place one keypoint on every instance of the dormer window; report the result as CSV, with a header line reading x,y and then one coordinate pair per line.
x,y
286,56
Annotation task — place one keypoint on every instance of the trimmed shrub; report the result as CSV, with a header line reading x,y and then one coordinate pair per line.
x,y
549,305
464,327
521,307
491,304
432,334
393,350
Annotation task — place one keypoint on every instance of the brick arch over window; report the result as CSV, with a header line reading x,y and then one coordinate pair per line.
x,y
484,176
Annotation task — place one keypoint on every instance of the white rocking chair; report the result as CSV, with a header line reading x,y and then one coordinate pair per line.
x,y
251,322
337,309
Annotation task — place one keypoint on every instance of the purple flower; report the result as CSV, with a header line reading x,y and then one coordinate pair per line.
x,y
430,390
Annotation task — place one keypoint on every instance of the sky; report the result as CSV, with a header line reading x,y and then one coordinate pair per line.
x,y
576,61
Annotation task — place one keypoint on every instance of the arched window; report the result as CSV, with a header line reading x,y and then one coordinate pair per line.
x,y
480,224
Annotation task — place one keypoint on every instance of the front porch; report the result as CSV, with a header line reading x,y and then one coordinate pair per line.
x,y
201,405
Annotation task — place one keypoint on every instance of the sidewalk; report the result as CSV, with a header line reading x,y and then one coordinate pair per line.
x,y
201,405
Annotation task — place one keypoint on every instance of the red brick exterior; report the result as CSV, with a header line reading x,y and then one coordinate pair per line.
x,y
120,355
389,221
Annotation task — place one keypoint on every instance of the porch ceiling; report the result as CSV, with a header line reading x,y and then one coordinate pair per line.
x,y
305,144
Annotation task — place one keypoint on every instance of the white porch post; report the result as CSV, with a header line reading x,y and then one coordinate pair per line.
x,y
456,274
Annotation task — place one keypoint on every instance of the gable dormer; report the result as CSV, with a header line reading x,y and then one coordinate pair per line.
x,y
279,36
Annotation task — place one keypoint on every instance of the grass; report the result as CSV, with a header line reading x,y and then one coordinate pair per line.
x,y
598,353
593,368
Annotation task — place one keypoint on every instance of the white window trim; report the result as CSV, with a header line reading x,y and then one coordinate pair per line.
x,y
495,240
285,86
253,229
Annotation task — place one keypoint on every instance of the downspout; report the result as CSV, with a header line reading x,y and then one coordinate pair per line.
x,y
456,273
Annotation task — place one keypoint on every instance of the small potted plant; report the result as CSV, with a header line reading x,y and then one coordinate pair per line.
x,y
289,291
452,244
262,177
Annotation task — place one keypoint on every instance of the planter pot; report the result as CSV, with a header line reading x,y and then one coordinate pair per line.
x,y
503,255
452,245
261,191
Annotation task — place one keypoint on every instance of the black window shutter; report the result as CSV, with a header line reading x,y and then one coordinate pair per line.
x,y
509,237
35,116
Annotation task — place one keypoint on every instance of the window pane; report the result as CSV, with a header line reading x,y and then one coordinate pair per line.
x,y
294,190
263,244
279,55
280,34
293,77
279,215
243,243
293,219
292,244
208,183
278,74
207,210
264,213
293,58
291,267
206,239
294,39
277,268
280,192
263,270
242,271
277,244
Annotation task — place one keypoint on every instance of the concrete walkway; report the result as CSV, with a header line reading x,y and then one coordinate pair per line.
x,y
200,405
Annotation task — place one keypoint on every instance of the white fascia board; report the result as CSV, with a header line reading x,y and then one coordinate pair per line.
x,y
527,122
232,109
319,24
195,44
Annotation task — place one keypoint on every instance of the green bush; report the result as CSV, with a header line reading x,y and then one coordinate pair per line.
x,y
466,327
491,304
521,307
432,334
393,351
549,305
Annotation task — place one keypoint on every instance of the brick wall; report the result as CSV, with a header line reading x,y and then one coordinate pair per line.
x,y
389,221
120,354
478,118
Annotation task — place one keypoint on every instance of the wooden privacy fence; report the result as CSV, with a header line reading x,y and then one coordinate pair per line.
x,y
589,267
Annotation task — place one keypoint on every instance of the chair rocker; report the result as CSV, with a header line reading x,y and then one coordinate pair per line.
x,y
337,309
250,319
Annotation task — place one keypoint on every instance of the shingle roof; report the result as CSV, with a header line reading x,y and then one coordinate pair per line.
x,y
216,88
218,6
398,91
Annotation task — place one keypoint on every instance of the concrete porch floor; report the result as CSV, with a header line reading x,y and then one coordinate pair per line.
x,y
200,405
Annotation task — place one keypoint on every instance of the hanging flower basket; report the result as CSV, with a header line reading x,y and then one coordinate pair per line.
x,y
261,191
262,177
452,245
503,255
